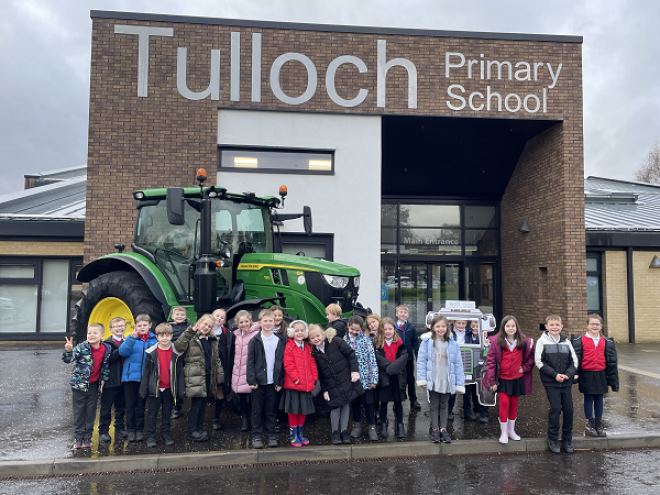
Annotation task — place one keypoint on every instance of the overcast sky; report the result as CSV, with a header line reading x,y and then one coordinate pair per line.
x,y
45,59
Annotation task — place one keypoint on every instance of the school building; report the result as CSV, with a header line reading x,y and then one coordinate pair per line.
x,y
444,165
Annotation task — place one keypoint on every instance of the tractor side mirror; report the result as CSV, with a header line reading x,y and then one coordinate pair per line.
x,y
307,219
174,199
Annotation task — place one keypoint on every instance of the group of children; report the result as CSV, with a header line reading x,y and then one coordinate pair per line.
x,y
270,366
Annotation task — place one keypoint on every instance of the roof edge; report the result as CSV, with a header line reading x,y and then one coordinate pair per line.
x,y
300,26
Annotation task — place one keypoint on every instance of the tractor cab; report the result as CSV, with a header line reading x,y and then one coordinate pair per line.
x,y
475,347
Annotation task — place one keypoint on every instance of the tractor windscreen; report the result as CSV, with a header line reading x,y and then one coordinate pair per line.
x,y
235,224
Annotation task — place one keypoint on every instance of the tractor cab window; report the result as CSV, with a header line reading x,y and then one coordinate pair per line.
x,y
236,224
171,245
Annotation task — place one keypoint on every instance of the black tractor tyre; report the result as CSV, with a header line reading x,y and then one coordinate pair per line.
x,y
125,285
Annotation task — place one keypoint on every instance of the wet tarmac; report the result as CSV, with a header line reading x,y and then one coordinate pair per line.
x,y
602,473
36,418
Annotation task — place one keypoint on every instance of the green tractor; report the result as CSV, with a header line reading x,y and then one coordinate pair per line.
x,y
205,248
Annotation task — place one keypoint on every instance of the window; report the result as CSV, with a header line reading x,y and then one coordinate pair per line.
x,y
37,295
593,284
253,160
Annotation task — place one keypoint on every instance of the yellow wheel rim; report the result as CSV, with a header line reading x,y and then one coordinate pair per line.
x,y
110,308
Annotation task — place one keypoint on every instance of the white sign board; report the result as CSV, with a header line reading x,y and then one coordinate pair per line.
x,y
460,305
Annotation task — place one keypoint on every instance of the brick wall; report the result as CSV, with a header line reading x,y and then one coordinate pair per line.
x,y
543,271
32,248
615,294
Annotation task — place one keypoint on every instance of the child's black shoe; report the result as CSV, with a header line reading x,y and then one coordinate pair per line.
x,y
216,424
345,437
139,436
435,436
104,437
151,442
400,431
257,443
590,429
272,442
336,437
554,446
131,436
567,445
167,439
445,436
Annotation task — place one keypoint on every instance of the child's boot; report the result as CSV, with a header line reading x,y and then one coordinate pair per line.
x,y
371,430
303,440
504,437
511,430
590,429
400,431
295,441
357,431
600,428
245,422
435,435
383,428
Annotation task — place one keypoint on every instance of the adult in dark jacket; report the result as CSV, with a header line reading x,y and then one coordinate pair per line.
x,y
597,362
392,359
339,374
113,390
408,333
202,372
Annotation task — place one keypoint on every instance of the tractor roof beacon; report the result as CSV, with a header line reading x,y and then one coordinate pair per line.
x,y
205,248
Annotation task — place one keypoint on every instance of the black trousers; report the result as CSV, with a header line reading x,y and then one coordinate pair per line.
x,y
369,411
264,403
112,396
134,407
410,379
471,401
165,400
197,414
84,410
561,400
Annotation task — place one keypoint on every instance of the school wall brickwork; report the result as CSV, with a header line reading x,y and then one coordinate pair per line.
x,y
615,294
162,139
647,297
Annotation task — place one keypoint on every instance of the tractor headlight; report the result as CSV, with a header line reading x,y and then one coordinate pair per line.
x,y
335,281
356,282
138,195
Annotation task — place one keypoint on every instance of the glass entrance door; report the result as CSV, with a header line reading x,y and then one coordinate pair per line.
x,y
423,287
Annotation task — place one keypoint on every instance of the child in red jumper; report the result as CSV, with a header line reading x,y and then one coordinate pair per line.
x,y
598,370
509,366
300,376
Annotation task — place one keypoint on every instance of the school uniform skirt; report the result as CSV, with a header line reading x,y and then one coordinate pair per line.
x,y
294,402
593,382
512,388
391,392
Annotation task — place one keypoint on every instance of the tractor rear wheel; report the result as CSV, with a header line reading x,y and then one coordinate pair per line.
x,y
116,294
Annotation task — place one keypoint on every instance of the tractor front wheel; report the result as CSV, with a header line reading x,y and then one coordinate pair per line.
x,y
121,294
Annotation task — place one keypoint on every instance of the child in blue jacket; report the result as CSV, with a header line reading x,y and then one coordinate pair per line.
x,y
440,372
90,372
133,349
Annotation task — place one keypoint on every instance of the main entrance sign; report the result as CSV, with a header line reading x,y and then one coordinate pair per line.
x,y
455,65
